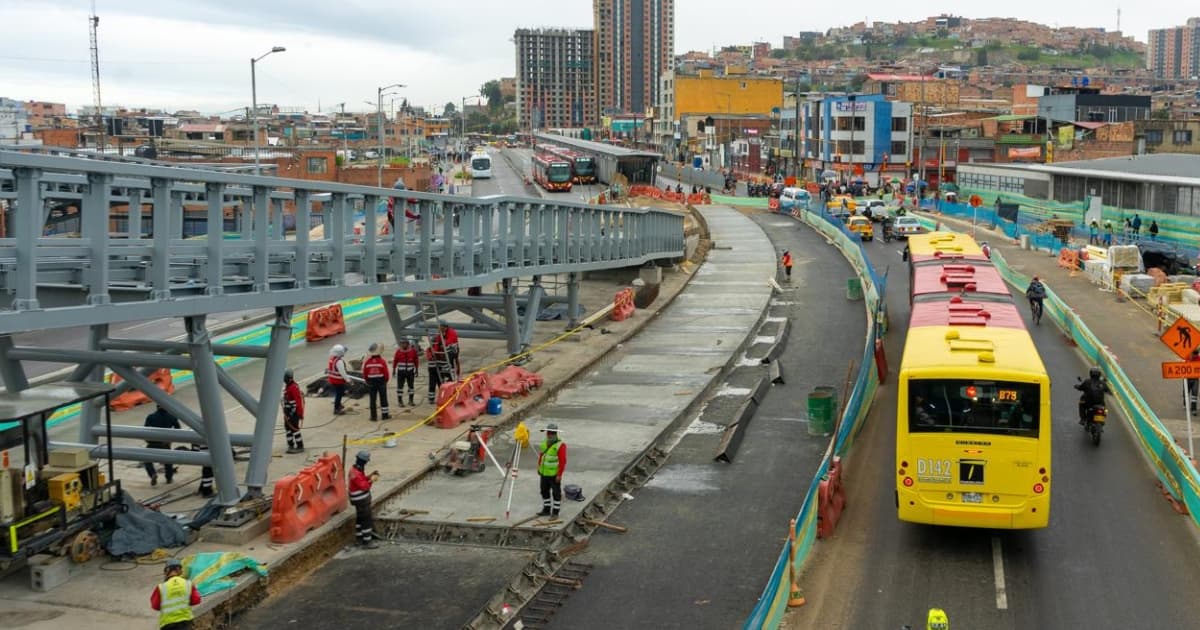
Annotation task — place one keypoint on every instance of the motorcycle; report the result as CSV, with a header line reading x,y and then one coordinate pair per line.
x,y
1094,418
888,232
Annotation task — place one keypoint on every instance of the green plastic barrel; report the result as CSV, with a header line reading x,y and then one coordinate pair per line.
x,y
821,404
854,289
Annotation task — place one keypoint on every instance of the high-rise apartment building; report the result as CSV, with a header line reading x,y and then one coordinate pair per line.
x,y
635,44
555,80
1174,53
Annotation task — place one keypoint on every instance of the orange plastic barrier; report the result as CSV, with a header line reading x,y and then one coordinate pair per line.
x,y
773,204
295,510
513,381
468,403
324,322
1068,259
331,484
622,305
134,397
831,500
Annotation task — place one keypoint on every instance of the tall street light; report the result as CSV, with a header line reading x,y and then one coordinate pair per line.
x,y
254,100
379,105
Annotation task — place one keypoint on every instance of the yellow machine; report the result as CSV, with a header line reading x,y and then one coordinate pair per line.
x,y
66,490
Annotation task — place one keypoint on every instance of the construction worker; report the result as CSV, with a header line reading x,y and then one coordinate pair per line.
x,y
174,598
360,498
450,339
337,375
552,461
293,412
160,419
375,372
438,363
405,364
786,261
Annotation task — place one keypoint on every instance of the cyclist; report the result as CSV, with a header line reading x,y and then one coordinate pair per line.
x,y
1036,293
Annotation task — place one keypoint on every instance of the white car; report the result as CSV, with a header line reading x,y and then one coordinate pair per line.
x,y
903,226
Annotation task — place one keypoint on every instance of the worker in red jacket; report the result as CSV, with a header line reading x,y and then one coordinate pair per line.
x,y
360,498
293,412
405,364
450,339
375,371
174,598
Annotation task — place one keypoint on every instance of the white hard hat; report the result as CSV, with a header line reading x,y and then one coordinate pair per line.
x,y
338,350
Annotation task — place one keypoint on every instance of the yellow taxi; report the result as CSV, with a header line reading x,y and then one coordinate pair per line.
x,y
842,202
862,226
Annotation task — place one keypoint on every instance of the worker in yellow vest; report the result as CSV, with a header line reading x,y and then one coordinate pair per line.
x,y
552,461
174,598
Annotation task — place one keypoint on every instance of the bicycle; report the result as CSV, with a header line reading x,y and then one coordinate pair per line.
x,y
1035,309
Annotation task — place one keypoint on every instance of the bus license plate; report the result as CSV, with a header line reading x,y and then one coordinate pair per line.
x,y
972,497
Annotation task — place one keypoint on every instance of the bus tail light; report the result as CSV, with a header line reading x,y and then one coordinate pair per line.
x,y
1038,488
908,482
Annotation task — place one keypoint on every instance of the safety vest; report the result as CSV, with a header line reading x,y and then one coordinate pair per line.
x,y
331,372
175,603
548,464
787,260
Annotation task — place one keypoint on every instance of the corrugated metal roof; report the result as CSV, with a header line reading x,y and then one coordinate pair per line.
x,y
1173,165
596,147
1011,117
201,128
1089,125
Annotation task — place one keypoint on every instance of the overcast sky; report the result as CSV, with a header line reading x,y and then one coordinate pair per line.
x,y
194,54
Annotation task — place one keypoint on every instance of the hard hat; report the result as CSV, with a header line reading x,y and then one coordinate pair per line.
x,y
288,375
173,563
937,620
363,456
405,340
375,348
551,428
338,350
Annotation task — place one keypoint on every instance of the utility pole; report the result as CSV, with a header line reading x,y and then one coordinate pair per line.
x,y
921,133
853,98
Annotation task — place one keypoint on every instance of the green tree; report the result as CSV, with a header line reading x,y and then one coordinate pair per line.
x,y
779,53
450,110
491,91
981,57
1029,54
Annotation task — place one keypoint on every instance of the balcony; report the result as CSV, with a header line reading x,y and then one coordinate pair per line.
x,y
1020,138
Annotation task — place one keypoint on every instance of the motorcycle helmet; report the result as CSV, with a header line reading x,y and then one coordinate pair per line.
x,y
1095,372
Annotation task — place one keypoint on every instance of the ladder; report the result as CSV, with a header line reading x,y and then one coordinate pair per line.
x,y
430,319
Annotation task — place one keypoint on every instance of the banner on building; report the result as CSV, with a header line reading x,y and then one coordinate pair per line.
x,y
1024,153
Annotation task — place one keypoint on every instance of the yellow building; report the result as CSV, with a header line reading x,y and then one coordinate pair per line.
x,y
728,95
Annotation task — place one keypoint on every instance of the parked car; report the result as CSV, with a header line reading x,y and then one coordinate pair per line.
x,y
905,225
371,155
862,227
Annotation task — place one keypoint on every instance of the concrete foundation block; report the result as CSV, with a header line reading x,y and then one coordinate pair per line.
x,y
651,275
47,572
236,536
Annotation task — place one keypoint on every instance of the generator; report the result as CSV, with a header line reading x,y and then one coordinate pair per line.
x,y
469,455
52,500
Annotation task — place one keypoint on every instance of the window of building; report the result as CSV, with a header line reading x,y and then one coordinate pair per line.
x,y
899,150
1181,136
899,124
318,165
1154,136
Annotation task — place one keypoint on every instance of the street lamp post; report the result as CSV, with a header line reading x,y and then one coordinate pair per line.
x,y
254,100
379,106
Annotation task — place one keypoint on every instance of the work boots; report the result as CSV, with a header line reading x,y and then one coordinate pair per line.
x,y
410,401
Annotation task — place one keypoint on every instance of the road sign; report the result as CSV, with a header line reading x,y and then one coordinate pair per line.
x,y
1181,369
1182,338
975,201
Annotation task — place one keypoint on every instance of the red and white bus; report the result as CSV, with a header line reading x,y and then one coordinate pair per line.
x,y
551,172
583,167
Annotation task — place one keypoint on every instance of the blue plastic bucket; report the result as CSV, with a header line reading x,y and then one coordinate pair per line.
x,y
494,406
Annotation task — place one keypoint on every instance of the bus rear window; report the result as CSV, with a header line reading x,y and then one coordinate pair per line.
x,y
973,406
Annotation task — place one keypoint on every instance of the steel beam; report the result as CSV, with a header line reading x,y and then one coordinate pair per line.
x,y
133,228
11,369
152,455
269,399
89,411
67,355
336,215
262,240
208,391
572,300
160,274
536,290
215,244
511,319
179,347
154,434
161,398
27,229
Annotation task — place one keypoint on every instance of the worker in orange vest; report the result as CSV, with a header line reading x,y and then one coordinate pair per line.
x,y
787,264
338,376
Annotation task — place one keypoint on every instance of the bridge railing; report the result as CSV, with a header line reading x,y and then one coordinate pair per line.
x,y
101,275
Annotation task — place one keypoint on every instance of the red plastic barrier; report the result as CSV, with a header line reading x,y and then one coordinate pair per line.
x,y
831,500
513,381
469,401
881,366
622,305
324,322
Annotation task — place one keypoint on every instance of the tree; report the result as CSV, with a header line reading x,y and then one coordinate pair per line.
x,y
450,110
981,57
491,91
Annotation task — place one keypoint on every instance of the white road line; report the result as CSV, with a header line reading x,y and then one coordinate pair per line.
x,y
998,569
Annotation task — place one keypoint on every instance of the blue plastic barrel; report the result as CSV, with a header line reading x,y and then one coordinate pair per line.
x,y
494,406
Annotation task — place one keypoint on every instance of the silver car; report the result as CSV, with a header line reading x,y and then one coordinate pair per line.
x,y
906,225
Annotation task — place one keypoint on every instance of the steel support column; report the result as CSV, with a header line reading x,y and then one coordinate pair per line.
x,y
89,411
160,272
27,231
572,300
208,391
532,307
161,398
11,369
268,400
511,319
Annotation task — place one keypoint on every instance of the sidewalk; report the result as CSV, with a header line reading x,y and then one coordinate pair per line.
x,y
1124,326
112,595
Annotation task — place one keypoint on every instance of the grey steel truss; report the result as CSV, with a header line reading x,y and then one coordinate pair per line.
x,y
123,266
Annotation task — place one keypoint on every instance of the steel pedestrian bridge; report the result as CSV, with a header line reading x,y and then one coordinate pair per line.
x,y
136,264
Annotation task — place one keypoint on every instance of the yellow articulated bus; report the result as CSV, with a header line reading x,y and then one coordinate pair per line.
x,y
973,414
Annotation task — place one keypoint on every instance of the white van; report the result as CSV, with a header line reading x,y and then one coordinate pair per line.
x,y
793,197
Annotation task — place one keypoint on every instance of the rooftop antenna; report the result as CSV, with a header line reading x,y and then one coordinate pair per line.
x,y
1118,19
93,23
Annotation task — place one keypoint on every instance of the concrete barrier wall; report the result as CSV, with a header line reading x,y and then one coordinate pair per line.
x,y
772,604
689,176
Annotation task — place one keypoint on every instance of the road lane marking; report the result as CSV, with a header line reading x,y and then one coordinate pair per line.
x,y
998,570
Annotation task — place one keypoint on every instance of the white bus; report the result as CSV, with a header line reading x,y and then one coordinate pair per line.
x,y
481,165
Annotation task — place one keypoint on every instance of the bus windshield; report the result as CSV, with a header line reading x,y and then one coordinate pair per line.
x,y
970,406
559,172
481,163
584,166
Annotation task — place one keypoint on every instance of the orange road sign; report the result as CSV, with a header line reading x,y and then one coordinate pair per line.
x,y
975,201
1182,338
1181,369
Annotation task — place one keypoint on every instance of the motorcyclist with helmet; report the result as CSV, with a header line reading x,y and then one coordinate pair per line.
x,y
1093,390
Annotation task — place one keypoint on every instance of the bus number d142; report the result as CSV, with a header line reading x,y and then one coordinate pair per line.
x,y
933,470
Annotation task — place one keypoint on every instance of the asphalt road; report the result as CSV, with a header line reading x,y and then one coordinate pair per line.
x,y
703,536
1114,556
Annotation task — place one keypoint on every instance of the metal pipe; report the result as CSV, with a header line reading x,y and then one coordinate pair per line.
x,y
161,398
137,454
178,347
154,434
208,391
268,400
128,359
